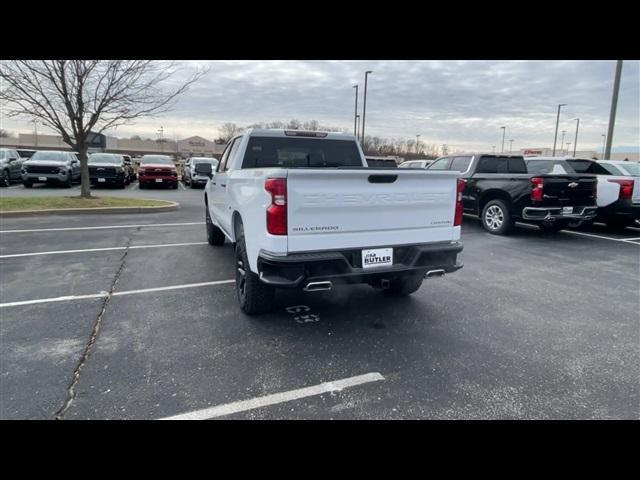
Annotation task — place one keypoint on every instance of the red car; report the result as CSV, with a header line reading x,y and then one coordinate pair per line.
x,y
157,170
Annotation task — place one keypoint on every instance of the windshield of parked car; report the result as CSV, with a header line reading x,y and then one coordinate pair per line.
x,y
628,168
4,154
50,156
104,158
542,167
286,152
156,159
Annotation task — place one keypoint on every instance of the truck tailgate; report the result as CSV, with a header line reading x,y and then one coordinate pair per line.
x,y
569,190
346,208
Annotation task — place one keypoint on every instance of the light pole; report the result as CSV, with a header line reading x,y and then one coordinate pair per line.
x,y
555,137
604,140
575,142
417,140
35,127
614,106
568,145
494,148
355,114
358,123
510,146
364,105
161,132
504,132
562,141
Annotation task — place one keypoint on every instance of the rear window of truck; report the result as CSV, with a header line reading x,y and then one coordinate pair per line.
x,y
286,152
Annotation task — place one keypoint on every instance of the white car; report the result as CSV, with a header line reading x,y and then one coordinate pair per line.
x,y
305,211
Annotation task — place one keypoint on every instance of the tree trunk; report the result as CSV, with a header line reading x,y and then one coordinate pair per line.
x,y
85,185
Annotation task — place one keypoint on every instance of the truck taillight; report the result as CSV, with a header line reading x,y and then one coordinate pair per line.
x,y
277,211
626,188
537,189
457,221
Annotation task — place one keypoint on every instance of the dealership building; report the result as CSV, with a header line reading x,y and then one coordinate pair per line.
x,y
188,147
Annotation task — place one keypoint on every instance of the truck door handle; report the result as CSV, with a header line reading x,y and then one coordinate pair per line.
x,y
382,178
213,183
223,185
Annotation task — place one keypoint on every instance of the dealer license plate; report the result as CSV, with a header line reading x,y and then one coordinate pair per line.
x,y
377,257
567,210
158,180
42,179
102,180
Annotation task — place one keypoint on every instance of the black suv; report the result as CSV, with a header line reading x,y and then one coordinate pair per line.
x,y
499,189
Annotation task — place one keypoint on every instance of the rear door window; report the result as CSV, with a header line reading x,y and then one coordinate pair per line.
x,y
441,164
461,164
491,164
517,165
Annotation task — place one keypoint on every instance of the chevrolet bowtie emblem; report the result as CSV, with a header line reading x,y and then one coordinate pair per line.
x,y
572,185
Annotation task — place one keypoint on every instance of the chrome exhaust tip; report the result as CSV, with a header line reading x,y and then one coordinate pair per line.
x,y
435,273
318,286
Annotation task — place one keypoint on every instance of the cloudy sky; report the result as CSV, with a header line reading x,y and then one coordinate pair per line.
x,y
460,103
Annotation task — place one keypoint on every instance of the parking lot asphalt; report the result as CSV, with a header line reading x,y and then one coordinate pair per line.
x,y
535,325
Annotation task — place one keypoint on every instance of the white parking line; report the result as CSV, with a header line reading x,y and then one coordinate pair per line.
x,y
148,225
596,236
114,294
244,405
105,249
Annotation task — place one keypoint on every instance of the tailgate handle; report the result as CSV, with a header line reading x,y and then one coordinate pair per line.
x,y
382,178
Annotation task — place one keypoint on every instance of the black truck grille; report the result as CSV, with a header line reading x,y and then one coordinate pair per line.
x,y
102,172
41,169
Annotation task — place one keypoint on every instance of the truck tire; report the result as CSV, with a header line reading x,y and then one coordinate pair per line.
x,y
27,184
6,179
254,296
69,182
405,285
214,234
496,218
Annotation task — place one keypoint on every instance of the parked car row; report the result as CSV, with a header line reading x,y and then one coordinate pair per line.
x,y
63,168
552,192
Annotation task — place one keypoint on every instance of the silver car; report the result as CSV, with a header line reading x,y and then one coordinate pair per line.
x,y
51,167
194,174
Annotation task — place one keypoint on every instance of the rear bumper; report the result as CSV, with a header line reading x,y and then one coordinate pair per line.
x,y
345,266
556,213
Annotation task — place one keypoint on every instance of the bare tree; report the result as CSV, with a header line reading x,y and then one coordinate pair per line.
x,y
79,98
228,131
4,133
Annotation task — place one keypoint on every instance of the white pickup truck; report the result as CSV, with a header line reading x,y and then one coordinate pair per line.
x,y
305,211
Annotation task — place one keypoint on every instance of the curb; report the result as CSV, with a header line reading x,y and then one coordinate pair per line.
x,y
98,210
